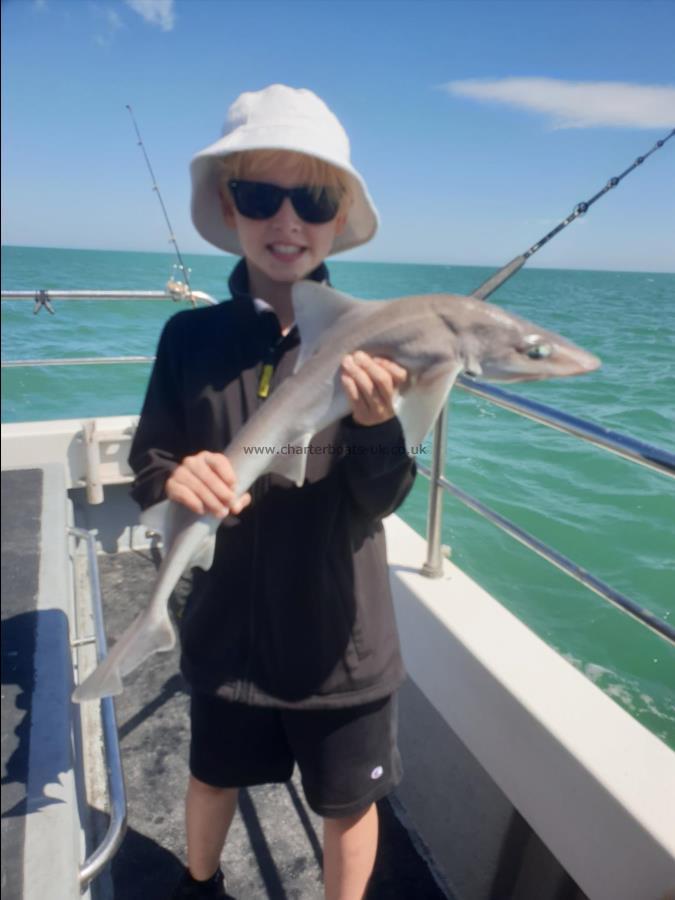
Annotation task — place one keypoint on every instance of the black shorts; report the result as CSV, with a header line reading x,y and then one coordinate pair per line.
x,y
347,757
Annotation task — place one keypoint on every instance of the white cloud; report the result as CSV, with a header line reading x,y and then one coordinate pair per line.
x,y
578,104
108,23
113,20
155,12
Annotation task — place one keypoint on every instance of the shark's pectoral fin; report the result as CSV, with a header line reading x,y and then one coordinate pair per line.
x,y
290,460
418,408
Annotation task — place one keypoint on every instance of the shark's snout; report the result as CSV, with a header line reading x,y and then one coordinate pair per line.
x,y
585,362
556,359
567,359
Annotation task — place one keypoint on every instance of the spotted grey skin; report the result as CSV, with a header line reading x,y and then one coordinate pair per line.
x,y
433,336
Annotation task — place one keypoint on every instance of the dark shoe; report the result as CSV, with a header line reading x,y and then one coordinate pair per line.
x,y
189,888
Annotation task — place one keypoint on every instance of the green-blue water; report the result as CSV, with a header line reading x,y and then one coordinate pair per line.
x,y
614,518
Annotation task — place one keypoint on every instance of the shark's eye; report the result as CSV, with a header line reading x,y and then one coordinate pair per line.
x,y
539,351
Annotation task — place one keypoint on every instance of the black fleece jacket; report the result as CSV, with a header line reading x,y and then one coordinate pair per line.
x,y
296,610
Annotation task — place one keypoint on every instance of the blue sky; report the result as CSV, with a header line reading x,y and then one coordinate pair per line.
x,y
477,125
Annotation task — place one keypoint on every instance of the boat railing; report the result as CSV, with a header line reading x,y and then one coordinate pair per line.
x,y
42,299
175,291
104,852
629,448
624,446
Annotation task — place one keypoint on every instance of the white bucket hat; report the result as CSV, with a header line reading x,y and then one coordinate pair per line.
x,y
278,118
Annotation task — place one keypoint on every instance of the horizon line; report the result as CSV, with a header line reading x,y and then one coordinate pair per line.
x,y
330,260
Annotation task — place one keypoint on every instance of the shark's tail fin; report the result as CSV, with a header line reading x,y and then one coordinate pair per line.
x,y
145,636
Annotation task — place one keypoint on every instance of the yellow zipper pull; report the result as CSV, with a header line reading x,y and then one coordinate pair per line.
x,y
265,380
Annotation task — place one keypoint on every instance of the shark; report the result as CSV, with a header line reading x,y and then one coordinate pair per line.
x,y
435,337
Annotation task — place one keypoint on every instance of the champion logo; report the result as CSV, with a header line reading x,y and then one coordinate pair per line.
x,y
377,772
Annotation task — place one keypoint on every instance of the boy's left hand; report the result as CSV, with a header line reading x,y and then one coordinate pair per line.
x,y
371,384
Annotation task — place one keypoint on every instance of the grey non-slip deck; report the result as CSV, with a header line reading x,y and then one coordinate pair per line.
x,y
22,505
274,846
40,810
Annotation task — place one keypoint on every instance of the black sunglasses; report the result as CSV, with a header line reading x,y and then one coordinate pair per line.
x,y
260,200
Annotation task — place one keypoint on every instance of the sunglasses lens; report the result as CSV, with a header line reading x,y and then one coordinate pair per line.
x,y
316,207
255,199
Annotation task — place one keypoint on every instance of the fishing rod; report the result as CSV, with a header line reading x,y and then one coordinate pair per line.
x,y
181,266
490,286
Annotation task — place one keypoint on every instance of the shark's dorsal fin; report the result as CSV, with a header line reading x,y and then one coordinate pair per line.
x,y
418,408
316,308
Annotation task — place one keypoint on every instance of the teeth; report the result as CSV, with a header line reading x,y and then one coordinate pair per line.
x,y
288,249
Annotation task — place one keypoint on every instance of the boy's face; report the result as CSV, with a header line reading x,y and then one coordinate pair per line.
x,y
285,248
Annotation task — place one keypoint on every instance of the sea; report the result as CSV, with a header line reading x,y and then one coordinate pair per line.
x,y
614,518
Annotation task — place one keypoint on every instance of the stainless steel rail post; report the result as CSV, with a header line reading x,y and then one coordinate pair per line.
x,y
433,565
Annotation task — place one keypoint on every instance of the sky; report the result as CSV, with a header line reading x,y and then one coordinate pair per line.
x,y
478,125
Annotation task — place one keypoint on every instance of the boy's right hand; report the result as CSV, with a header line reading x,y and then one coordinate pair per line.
x,y
205,484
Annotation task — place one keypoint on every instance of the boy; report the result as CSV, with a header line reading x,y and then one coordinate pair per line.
x,y
289,641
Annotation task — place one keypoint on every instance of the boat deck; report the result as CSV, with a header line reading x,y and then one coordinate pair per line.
x,y
274,846
20,580
522,776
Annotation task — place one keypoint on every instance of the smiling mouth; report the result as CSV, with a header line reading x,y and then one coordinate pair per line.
x,y
285,251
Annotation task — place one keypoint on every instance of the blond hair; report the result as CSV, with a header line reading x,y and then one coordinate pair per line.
x,y
314,173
